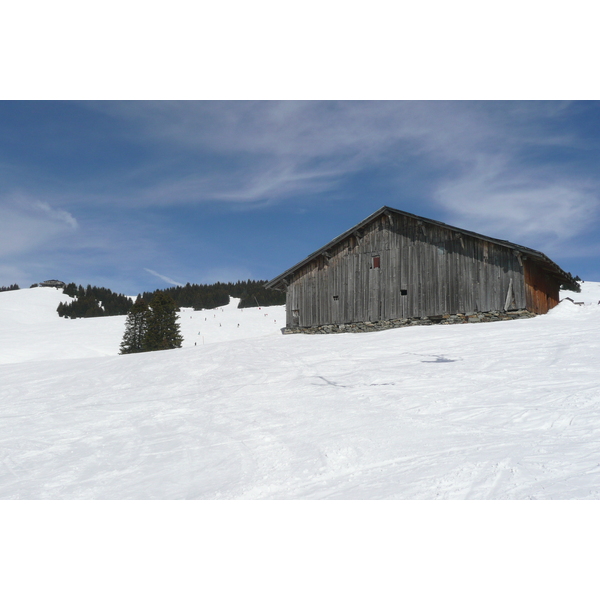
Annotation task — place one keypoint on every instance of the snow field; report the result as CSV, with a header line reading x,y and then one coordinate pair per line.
x,y
31,329
493,410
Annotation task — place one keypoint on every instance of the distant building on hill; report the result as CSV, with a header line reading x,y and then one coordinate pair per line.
x,y
53,283
395,269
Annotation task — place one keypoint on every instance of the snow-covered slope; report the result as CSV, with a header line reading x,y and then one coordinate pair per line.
x,y
490,410
30,328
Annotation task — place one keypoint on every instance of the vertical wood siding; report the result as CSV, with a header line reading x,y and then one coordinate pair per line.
x,y
442,272
541,291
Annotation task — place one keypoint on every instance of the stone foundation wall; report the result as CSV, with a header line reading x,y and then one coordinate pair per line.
x,y
480,317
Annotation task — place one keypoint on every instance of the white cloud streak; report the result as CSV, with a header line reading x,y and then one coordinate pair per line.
x,y
163,277
54,214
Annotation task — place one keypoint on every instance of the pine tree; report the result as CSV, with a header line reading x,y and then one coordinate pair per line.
x,y
163,330
136,327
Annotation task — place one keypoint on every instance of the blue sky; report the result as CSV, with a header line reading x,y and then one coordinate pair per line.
x,y
142,195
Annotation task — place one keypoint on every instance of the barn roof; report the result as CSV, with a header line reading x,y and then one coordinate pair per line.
x,y
566,279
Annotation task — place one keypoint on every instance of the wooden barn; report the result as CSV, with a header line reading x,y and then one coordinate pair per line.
x,y
395,268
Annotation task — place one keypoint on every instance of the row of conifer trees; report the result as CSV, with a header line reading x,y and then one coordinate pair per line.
x,y
208,296
95,301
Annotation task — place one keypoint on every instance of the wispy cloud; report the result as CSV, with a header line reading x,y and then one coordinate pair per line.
x,y
55,214
268,151
547,209
271,151
27,223
163,277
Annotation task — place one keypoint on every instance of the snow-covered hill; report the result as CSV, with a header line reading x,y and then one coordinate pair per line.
x,y
490,410
30,328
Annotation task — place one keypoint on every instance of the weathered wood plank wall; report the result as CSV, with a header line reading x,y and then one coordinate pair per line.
x,y
424,270
541,291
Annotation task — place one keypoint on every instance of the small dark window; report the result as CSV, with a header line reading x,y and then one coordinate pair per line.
x,y
403,292
376,263
336,297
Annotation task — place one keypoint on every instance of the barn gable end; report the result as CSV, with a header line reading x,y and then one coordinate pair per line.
x,y
394,265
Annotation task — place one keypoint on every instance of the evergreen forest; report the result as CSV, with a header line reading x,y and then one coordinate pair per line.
x,y
93,301
199,296
9,288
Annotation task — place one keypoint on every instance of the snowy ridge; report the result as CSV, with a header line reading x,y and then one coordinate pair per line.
x,y
490,410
